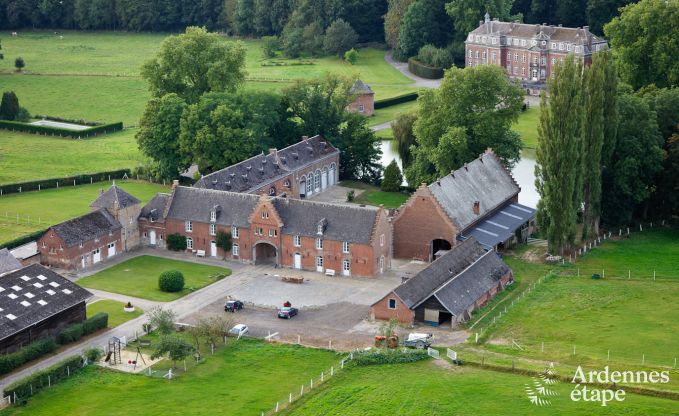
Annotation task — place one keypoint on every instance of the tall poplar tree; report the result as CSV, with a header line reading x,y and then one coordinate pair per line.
x,y
610,107
559,155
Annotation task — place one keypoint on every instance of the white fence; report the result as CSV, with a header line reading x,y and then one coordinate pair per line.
x,y
451,354
433,353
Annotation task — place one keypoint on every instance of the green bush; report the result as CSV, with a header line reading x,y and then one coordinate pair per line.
x,y
95,323
388,102
70,334
176,242
61,132
74,332
392,178
435,57
424,71
171,281
93,354
270,45
9,362
37,381
87,178
351,56
379,356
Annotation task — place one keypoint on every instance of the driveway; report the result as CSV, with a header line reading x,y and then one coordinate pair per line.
x,y
403,68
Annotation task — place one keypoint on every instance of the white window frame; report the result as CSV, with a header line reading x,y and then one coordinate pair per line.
x,y
213,216
297,241
234,231
346,265
188,226
391,301
381,240
189,243
235,249
319,244
213,229
345,247
361,108
319,261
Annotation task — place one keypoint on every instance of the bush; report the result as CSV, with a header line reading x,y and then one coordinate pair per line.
x,y
435,57
351,56
74,332
19,63
270,44
70,334
380,356
9,362
87,178
9,106
351,195
403,98
171,281
424,71
39,380
22,240
95,323
392,178
93,354
57,131
176,242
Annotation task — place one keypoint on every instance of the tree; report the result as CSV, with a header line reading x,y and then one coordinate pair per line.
x,y
158,132
351,56
600,12
1,55
162,319
223,241
293,42
402,128
392,178
194,63
171,281
643,40
176,348
466,14
312,38
359,150
610,108
222,129
176,242
571,13
339,38
425,21
19,64
558,156
270,45
392,20
9,106
593,141
473,110
245,17
214,328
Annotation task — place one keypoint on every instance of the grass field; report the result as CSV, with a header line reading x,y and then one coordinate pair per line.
x,y
244,378
630,318
384,115
527,127
116,314
138,277
425,388
372,195
39,209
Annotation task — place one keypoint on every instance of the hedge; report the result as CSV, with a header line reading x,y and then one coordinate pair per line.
x,y
9,245
388,102
377,357
9,362
96,322
74,332
32,384
171,281
424,71
86,178
57,131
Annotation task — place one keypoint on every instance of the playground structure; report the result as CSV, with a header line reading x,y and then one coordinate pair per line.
x,y
127,360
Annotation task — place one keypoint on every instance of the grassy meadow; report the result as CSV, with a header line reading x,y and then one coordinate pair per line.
x,y
138,277
527,127
114,309
39,209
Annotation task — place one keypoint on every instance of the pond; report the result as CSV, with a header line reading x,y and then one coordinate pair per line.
x,y
524,170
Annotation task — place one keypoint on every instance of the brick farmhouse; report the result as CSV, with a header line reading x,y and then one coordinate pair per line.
x,y
529,52
480,199
449,289
37,303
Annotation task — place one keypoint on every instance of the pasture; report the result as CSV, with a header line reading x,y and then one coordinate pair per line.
x,y
138,277
39,209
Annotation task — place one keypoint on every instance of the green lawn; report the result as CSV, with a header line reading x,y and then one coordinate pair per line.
x,y
527,126
425,388
245,378
138,277
384,115
40,209
116,314
372,195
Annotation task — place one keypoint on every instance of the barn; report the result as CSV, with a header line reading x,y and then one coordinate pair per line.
x,y
35,303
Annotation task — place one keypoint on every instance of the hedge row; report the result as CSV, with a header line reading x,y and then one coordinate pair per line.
x,y
388,102
57,131
9,362
424,71
377,357
37,381
9,245
65,181
68,120
74,332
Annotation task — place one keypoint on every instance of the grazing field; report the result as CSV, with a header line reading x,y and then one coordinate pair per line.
x,y
527,127
39,209
244,378
634,319
138,277
116,314
430,388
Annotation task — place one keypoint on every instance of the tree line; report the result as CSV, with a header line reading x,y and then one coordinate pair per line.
x,y
199,112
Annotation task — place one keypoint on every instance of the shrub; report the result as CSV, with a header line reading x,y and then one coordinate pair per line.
x,y
351,56
435,57
403,98
93,354
22,240
39,380
224,241
424,71
392,178
19,63
70,334
176,242
9,106
96,322
380,356
171,281
351,195
270,44
61,132
9,362
161,319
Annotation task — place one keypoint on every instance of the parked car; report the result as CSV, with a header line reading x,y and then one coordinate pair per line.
x,y
418,340
233,306
287,312
239,330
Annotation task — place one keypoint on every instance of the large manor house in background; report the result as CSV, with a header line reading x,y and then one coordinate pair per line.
x,y
528,52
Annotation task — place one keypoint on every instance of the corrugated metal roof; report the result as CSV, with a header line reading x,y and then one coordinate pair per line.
x,y
500,226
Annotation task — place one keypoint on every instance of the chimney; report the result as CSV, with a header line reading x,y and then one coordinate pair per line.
x,y
273,151
586,28
175,184
477,207
305,137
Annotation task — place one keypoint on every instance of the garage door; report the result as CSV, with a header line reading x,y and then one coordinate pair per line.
x,y
431,316
111,249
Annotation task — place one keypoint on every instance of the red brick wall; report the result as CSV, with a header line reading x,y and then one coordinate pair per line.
x,y
368,102
70,257
421,220
380,310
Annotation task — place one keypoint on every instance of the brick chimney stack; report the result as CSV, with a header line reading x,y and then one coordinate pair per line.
x,y
477,207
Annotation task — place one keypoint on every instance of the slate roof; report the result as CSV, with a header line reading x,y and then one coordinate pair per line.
x,y
259,170
86,227
114,197
25,251
501,226
8,262
360,87
421,286
154,210
33,294
195,204
484,180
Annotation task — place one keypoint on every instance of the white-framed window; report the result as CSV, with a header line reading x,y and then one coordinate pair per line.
x,y
213,229
297,241
319,261
81,244
345,247
213,215
188,226
273,232
492,57
509,56
381,240
189,243
346,265
509,69
470,53
235,249
544,60
568,47
516,57
476,54
391,303
161,237
317,180
494,41
560,46
516,70
309,184
234,231
286,183
319,229
553,45
265,215
471,63
319,243
523,58
361,108
523,70
553,61
259,231
523,42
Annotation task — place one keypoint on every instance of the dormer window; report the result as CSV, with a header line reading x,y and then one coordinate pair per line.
x,y
213,215
265,215
320,229
286,183
272,191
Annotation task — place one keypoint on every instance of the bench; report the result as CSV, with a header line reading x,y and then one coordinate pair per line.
x,y
200,253
292,279
329,272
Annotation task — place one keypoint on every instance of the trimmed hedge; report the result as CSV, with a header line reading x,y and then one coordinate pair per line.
x,y
74,332
37,381
23,240
403,98
9,362
86,178
57,131
171,281
424,71
95,323
377,356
